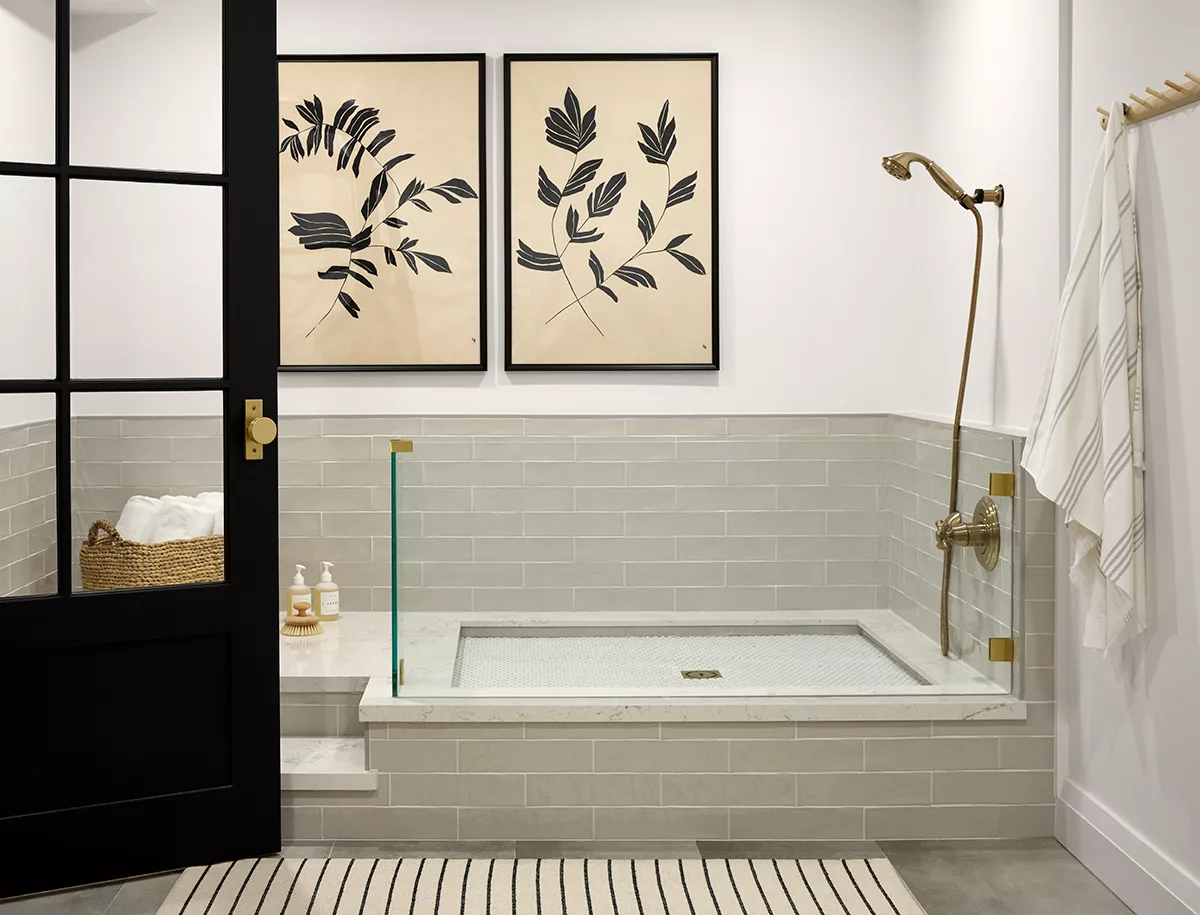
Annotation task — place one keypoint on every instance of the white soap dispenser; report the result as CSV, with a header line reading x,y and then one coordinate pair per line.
x,y
327,595
298,591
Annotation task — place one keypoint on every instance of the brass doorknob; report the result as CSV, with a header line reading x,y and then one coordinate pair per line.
x,y
261,430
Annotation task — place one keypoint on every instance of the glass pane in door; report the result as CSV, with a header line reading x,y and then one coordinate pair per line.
x,y
28,557
147,488
146,280
27,284
27,81
146,84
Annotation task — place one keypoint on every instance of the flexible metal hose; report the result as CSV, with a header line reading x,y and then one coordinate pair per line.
x,y
955,445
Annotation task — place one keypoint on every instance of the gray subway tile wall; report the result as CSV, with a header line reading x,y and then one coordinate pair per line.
x,y
28,561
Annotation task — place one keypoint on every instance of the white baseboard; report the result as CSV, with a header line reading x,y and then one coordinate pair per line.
x,y
1143,877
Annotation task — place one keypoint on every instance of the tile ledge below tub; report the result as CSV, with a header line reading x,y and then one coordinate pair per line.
x,y
378,705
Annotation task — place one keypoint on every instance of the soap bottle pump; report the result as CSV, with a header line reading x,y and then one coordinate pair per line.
x,y
298,591
327,595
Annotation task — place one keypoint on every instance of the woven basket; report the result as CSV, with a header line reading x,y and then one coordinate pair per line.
x,y
107,561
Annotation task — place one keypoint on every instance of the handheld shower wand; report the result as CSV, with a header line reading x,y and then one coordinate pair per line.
x,y
952,529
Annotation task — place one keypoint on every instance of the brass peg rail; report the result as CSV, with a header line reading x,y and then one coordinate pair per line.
x,y
1177,96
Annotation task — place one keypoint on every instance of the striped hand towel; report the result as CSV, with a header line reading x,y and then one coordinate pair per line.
x,y
1085,443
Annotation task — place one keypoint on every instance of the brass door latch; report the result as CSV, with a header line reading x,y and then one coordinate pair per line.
x,y
982,532
260,430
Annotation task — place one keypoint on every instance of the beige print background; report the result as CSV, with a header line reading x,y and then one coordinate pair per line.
x,y
668,325
424,319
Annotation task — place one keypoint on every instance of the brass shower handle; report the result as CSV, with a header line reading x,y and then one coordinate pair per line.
x,y
982,532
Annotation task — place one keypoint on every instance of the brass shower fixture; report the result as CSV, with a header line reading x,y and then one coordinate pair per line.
x,y
983,532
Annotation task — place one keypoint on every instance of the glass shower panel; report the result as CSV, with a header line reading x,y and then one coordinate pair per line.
x,y
982,600
27,83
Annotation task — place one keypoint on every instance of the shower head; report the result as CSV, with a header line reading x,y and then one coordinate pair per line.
x,y
898,166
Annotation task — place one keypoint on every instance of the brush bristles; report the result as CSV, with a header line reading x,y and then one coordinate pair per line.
x,y
297,630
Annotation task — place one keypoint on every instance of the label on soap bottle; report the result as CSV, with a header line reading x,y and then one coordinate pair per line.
x,y
327,604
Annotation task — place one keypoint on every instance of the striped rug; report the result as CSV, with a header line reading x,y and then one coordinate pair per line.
x,y
551,886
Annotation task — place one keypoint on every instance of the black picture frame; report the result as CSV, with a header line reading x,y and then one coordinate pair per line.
x,y
509,240
481,60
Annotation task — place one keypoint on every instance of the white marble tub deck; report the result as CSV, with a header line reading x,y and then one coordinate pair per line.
x,y
357,649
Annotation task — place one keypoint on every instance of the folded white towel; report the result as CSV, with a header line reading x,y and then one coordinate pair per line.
x,y
1085,443
177,520
136,518
215,503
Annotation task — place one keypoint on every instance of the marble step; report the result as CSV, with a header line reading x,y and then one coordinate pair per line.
x,y
325,764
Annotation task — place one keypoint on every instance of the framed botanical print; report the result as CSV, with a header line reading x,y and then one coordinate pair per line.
x,y
382,222
610,211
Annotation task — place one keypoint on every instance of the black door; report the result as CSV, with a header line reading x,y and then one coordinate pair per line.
x,y
140,314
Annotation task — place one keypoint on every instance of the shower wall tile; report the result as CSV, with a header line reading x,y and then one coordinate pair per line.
x,y
28,537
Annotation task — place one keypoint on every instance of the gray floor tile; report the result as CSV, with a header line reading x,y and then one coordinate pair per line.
x,y
611,849
142,895
314,850
1029,877
422,850
91,900
789,850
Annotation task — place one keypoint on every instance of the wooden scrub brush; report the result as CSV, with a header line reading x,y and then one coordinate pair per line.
x,y
300,621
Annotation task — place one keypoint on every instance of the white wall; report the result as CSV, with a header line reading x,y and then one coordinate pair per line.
x,y
27,80
989,97
1129,741
814,288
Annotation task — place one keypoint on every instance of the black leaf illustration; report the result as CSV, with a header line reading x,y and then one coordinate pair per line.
x,y
683,189
410,191
344,112
361,241
382,139
433,261
605,196
548,193
343,158
583,173
307,112
567,129
687,260
573,228
459,187
379,186
536,260
597,269
364,120
608,292
321,230
635,276
406,243
316,231
678,240
348,304
645,222
657,146
396,160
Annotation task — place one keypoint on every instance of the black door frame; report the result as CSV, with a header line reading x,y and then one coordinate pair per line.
x,y
89,842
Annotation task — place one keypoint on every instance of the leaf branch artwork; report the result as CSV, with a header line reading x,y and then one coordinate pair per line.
x,y
353,138
572,129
